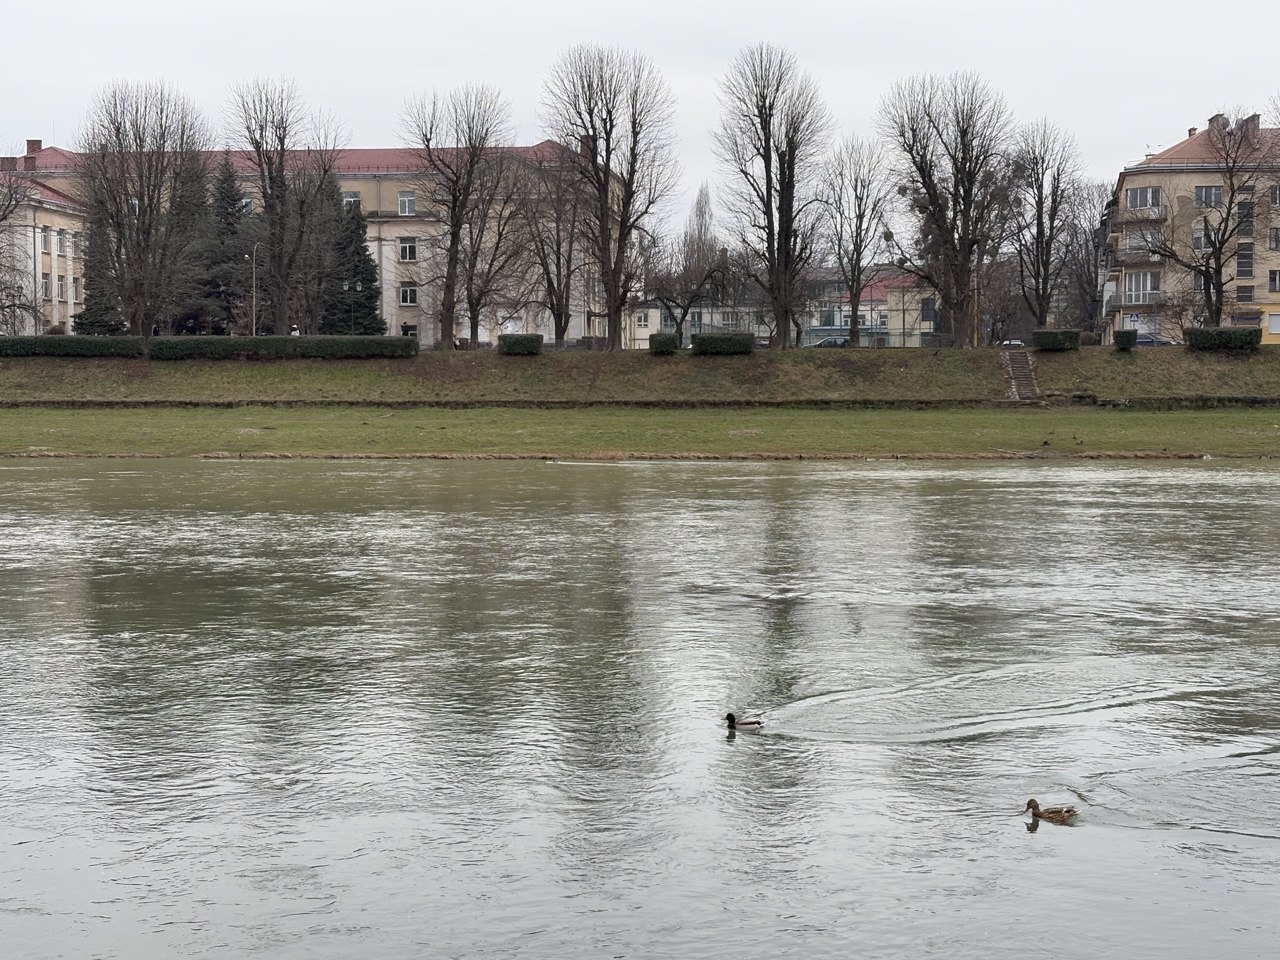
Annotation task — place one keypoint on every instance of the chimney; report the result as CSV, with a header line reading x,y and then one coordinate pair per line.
x,y
35,146
1250,125
8,163
1191,132
587,146
28,163
1218,122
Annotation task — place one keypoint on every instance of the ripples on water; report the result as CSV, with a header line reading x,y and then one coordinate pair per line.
x,y
470,710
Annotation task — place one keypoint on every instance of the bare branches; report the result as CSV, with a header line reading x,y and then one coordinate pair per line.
x,y
1046,171
552,222
773,131
686,269
293,154
951,137
856,193
459,138
616,109
142,173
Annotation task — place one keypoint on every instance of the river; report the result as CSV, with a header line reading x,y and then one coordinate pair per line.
x,y
411,709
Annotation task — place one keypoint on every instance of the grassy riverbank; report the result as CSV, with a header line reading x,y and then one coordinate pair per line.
x,y
613,433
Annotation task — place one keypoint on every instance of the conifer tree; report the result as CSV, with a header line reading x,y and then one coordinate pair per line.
x,y
353,310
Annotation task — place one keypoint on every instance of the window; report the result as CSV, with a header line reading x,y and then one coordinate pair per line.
x,y
408,249
1275,196
407,205
62,286
1273,238
1199,241
1244,260
1244,294
1273,281
1244,219
1208,196
1197,282
1135,241
44,239
44,286
1142,286
75,290
1273,323
245,206
350,198
408,294
62,241
1139,198
642,321
75,245
928,312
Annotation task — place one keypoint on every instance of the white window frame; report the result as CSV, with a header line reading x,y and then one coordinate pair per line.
x,y
1142,198
1273,281
1208,195
408,203
408,249
45,233
408,293
1141,286
62,242
44,286
1244,261
1244,218
1244,294
61,286
350,198
1273,323
1273,238
75,289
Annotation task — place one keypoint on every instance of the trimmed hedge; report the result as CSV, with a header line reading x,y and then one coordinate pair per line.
x,y
663,344
279,348
723,344
520,344
1223,338
70,346
1125,340
1055,339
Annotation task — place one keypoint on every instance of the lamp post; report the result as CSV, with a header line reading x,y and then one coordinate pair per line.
x,y
351,307
253,273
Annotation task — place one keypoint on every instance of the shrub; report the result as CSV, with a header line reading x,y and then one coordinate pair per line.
x,y
663,344
1223,338
1088,338
593,343
723,344
1055,339
1125,340
70,346
277,348
56,330
520,344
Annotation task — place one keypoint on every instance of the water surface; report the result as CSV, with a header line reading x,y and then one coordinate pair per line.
x,y
403,710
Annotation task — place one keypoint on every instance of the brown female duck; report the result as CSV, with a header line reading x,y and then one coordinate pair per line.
x,y
1052,814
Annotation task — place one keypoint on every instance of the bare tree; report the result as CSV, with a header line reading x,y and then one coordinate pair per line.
x,y
493,268
17,292
456,135
1083,244
1210,233
293,154
617,109
773,131
951,137
857,191
684,271
142,174
551,218
1046,172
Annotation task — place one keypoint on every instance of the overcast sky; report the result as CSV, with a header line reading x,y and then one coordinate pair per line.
x,y
1124,76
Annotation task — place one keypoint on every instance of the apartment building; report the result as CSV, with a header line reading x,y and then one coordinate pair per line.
x,y
1212,198
40,250
402,234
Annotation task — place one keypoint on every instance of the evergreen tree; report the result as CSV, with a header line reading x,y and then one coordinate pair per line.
x,y
227,281
352,311
101,315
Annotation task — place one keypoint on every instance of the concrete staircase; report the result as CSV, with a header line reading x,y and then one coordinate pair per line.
x,y
1020,375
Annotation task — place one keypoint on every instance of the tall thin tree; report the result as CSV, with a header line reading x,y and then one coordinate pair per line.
x,y
857,191
1046,175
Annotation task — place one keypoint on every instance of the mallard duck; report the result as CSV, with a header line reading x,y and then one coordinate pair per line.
x,y
736,724
1052,814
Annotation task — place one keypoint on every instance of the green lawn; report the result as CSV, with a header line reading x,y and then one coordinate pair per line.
x,y
638,433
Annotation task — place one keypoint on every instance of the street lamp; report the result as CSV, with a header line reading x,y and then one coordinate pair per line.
x,y
253,272
351,307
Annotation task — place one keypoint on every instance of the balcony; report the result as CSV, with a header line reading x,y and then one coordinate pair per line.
x,y
1140,214
1133,298
1126,257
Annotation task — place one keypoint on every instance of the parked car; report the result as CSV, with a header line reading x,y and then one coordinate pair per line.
x,y
1151,340
830,342
1011,344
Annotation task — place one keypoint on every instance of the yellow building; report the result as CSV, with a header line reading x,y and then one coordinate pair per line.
x,y
1214,194
401,234
40,248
